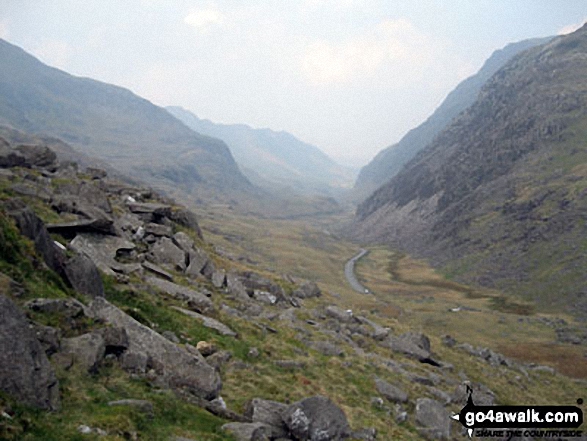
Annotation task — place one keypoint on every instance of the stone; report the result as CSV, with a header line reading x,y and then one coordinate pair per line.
x,y
390,392
265,411
103,250
379,332
198,259
25,371
70,308
194,299
367,434
432,419
169,335
185,218
83,276
413,345
134,362
219,279
248,431
149,212
219,359
88,350
307,290
10,157
31,226
95,173
205,348
142,406
49,337
165,252
448,341
93,225
339,314
316,419
36,155
264,297
157,270
236,287
175,366
115,340
482,395
158,230
208,322
183,241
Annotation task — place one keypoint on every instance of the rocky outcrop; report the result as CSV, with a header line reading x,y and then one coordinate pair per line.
x,y
316,419
208,322
195,300
25,371
433,419
173,365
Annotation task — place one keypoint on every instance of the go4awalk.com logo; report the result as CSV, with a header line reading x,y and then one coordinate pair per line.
x,y
529,421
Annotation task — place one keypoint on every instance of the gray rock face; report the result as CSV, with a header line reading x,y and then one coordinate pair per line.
x,y
158,230
391,392
165,252
316,419
307,290
31,226
432,418
248,431
49,337
219,278
265,411
115,340
208,322
183,241
412,344
379,332
198,260
71,308
87,350
339,314
194,299
25,371
236,287
185,218
102,250
10,157
36,155
175,366
84,277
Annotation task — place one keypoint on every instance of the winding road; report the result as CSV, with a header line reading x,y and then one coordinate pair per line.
x,y
349,272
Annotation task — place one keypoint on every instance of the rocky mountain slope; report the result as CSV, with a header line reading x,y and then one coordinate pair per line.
x,y
118,321
390,161
274,159
499,198
114,125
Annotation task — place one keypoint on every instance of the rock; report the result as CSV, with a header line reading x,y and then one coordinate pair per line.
x,y
170,336
142,406
25,371
307,290
165,252
254,353
151,267
103,250
10,157
205,348
369,434
219,278
194,299
115,340
36,155
198,259
413,345
264,297
248,431
391,392
185,218
95,173
379,332
339,314
93,225
432,419
49,337
219,359
208,322
88,350
448,341
158,230
183,241
70,308
84,276
236,287
134,362
176,367
316,419
31,226
149,212
265,411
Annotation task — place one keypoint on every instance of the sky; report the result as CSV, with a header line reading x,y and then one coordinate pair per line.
x,y
351,77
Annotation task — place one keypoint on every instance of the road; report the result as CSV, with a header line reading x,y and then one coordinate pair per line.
x,y
349,272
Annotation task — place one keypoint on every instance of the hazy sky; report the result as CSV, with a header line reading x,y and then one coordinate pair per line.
x,y
349,76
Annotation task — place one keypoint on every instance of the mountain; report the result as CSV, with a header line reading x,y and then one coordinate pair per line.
x,y
499,198
388,162
113,124
273,159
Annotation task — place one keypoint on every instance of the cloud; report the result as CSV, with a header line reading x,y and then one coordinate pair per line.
x,y
571,28
204,19
55,53
392,47
4,32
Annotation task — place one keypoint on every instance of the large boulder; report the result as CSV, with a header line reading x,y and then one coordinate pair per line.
x,y
9,157
307,290
185,218
88,350
248,431
432,419
194,299
174,366
84,277
391,392
36,155
103,250
316,419
25,371
412,344
208,322
165,252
